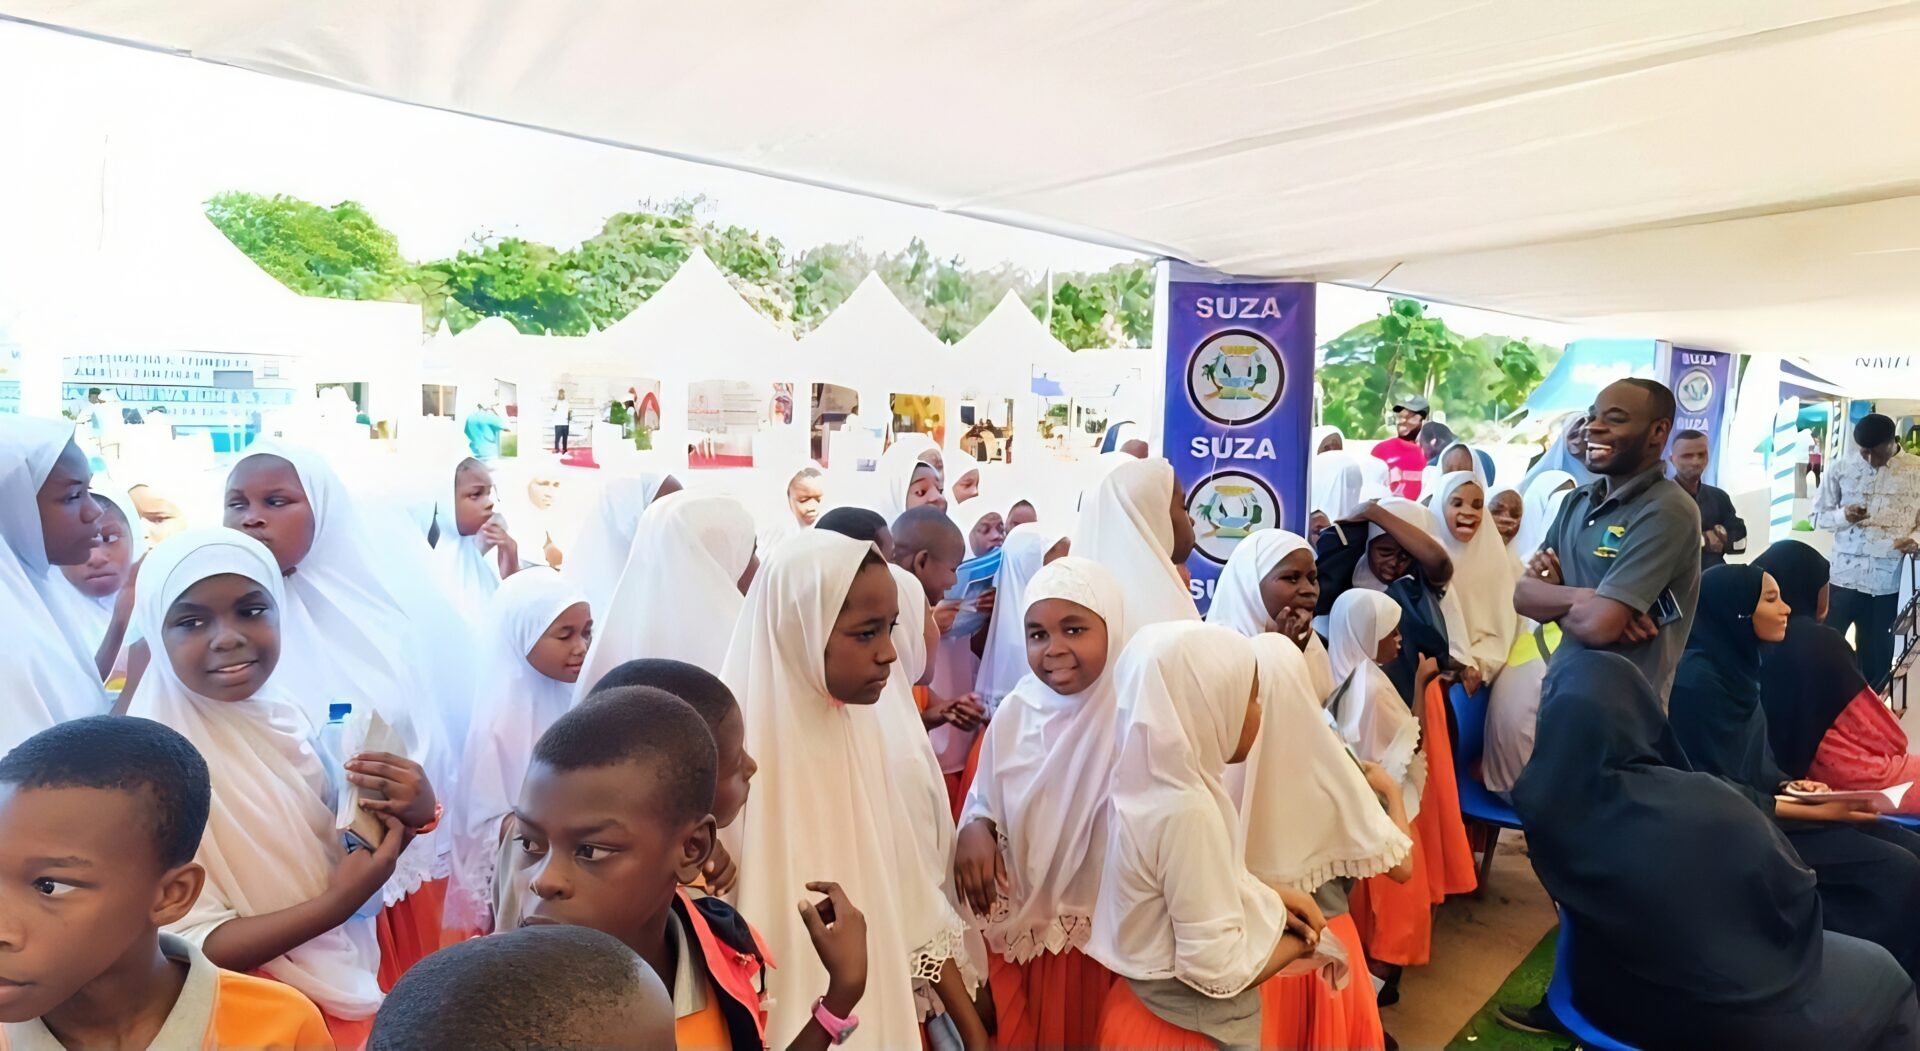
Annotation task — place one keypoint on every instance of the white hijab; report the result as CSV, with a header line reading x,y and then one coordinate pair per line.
x,y
270,842
822,808
1369,712
365,623
1043,780
600,552
894,473
513,706
925,830
472,573
1337,484
1480,595
1306,809
47,673
1238,604
680,593
87,615
1003,662
1174,830
1543,503
1125,525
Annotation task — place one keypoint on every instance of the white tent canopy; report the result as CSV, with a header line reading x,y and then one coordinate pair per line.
x,y
696,327
1729,173
874,343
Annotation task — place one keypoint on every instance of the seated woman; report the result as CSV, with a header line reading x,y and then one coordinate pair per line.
x,y
1698,925
1869,869
1824,722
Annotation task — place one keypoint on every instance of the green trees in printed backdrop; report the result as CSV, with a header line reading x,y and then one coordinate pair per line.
x,y
343,252
1472,381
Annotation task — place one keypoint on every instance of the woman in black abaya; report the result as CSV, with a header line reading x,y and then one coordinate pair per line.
x,y
1697,925
1868,868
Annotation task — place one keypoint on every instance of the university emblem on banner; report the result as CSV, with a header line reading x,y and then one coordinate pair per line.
x,y
1226,507
1695,391
1235,377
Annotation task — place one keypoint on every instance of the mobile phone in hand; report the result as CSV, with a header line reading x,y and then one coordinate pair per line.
x,y
1666,609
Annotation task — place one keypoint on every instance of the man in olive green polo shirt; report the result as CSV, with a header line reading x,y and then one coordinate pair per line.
x,y
1619,569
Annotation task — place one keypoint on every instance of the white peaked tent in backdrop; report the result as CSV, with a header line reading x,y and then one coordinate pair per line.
x,y
874,345
697,327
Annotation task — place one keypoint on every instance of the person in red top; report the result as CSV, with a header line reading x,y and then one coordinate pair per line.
x,y
1402,453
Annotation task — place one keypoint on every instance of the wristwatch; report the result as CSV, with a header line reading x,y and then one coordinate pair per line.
x,y
839,1030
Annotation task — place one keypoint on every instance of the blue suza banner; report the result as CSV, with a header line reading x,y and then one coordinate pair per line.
x,y
1702,385
1239,407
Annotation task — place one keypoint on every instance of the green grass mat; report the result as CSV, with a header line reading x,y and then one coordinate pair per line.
x,y
1525,986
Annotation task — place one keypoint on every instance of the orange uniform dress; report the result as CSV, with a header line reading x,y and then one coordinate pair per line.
x,y
1396,919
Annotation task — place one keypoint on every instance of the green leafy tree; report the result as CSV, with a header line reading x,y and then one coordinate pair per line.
x,y
340,252
344,253
1404,351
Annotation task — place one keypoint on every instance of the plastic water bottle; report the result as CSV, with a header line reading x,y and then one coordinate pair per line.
x,y
333,741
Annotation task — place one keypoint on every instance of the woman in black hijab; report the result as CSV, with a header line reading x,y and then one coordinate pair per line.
x,y
1824,722
1868,868
1698,925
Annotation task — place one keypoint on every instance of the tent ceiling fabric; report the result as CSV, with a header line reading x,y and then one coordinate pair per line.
x,y
1730,172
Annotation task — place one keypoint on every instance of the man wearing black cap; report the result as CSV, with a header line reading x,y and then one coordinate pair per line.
x,y
1871,502
1402,453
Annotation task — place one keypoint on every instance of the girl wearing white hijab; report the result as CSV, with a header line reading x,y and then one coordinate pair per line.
x,y
1193,932
538,630
1316,820
1035,820
680,594
48,673
816,627
1543,494
1270,583
1479,601
1337,486
1003,661
474,549
94,590
1369,713
909,477
600,552
270,846
1134,524
925,834
365,624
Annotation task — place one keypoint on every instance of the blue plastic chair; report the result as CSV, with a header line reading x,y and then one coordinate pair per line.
x,y
1560,995
1476,802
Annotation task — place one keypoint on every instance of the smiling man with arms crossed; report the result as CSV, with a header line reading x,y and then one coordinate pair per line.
x,y
1623,543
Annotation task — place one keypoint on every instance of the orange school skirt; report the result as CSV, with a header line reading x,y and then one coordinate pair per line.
x,y
1053,1000
1316,1018
409,930
1396,919
1439,822
1127,1024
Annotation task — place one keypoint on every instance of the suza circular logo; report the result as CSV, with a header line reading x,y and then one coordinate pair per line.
x,y
1226,507
1694,392
1235,377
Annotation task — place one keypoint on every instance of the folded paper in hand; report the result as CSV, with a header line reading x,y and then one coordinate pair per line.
x,y
1883,800
364,731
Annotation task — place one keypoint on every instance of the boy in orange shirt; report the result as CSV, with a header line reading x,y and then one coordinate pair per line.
x,y
617,810
99,821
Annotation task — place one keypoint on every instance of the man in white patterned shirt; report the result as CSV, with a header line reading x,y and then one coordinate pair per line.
x,y
1871,502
